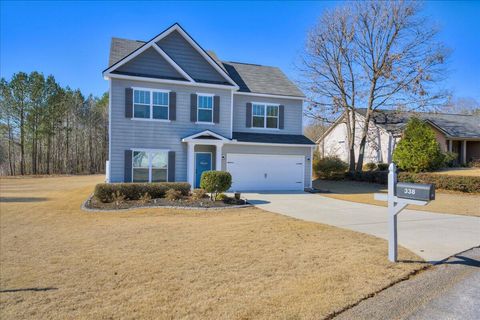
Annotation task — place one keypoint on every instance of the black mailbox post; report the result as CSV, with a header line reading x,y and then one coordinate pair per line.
x,y
415,191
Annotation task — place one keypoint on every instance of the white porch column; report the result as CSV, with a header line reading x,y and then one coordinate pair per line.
x,y
218,157
450,148
191,164
464,151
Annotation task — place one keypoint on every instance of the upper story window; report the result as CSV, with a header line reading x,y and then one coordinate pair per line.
x,y
149,166
150,104
264,116
205,108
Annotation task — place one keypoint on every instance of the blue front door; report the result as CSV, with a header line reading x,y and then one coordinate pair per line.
x,y
203,162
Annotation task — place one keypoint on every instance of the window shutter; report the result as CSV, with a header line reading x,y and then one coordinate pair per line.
x,y
216,109
172,106
281,116
171,166
193,107
127,177
128,102
248,118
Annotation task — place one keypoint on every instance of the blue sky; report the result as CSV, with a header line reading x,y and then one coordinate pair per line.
x,y
71,39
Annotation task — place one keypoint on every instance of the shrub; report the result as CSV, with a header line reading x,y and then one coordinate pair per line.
x,y
328,166
382,166
474,163
145,198
172,194
133,191
198,194
118,197
418,150
449,158
221,197
215,182
380,177
370,166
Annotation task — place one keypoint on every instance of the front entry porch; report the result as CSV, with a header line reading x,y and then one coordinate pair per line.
x,y
204,153
467,150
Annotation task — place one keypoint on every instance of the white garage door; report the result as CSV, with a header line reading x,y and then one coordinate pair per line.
x,y
266,172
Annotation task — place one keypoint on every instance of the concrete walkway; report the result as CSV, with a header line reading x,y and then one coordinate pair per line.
x,y
432,236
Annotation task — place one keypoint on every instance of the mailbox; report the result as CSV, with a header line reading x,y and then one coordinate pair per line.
x,y
415,191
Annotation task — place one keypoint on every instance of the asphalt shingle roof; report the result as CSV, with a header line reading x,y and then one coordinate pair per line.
x,y
271,138
454,125
249,77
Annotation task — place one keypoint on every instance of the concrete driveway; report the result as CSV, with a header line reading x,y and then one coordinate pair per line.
x,y
432,236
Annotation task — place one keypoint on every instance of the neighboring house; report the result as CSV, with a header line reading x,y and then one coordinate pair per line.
x,y
177,110
454,132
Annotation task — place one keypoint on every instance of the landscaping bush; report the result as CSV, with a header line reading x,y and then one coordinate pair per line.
x,y
418,150
198,194
172,194
382,167
134,191
474,163
328,167
380,177
215,182
370,166
449,158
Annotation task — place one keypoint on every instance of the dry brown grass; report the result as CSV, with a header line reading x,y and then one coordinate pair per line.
x,y
164,264
472,172
362,192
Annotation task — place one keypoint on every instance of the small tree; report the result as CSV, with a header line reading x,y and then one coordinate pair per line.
x,y
215,182
418,150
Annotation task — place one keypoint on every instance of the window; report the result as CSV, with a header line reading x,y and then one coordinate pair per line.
x,y
150,166
265,116
205,108
149,104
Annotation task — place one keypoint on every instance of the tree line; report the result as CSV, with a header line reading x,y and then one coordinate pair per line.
x,y
48,129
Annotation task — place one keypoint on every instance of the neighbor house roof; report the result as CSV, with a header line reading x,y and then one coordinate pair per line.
x,y
271,138
252,78
452,125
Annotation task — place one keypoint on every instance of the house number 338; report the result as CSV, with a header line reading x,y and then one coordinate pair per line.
x,y
408,191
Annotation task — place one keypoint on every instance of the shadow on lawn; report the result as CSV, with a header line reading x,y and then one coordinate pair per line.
x,y
27,289
22,199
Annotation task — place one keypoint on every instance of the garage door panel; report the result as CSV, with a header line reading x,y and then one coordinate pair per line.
x,y
266,172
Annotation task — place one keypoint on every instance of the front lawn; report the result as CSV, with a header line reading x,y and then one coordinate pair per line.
x,y
445,201
60,262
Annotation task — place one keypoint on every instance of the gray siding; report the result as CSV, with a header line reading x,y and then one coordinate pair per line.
x,y
188,58
151,63
293,114
280,150
127,133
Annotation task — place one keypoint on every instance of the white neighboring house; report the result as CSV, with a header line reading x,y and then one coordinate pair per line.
x,y
454,132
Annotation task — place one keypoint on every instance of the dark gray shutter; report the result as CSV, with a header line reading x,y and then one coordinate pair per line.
x,y
127,177
248,118
216,109
193,107
171,166
281,116
172,106
128,102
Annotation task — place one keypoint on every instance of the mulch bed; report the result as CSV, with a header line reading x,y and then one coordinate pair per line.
x,y
186,202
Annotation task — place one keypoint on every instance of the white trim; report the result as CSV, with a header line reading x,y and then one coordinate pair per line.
x,y
311,168
195,165
151,89
109,130
265,115
276,96
231,113
271,144
175,27
173,63
202,122
186,83
205,94
150,168
151,120
202,133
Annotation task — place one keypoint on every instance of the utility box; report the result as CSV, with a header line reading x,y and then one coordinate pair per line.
x,y
415,191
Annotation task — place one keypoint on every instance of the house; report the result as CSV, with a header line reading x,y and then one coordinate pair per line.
x,y
457,133
177,110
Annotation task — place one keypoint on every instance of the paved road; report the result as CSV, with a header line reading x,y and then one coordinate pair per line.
x,y
450,290
432,236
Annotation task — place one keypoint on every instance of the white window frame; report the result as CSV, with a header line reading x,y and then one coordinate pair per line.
x,y
264,105
210,95
151,91
148,152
